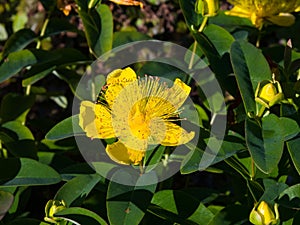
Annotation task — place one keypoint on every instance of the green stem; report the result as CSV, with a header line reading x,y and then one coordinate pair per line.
x,y
252,169
200,30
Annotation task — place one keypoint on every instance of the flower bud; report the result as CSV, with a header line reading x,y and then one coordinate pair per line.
x,y
52,207
263,215
268,93
207,7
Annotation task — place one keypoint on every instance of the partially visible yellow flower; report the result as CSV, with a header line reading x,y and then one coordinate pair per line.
x,y
263,214
128,2
137,111
261,11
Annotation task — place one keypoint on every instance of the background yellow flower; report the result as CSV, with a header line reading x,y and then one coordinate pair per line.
x,y
262,11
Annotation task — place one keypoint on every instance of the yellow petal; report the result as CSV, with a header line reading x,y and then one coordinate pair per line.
x,y
120,154
238,11
116,81
128,2
172,134
178,93
283,19
95,120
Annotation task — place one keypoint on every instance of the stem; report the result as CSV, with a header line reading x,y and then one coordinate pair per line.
x,y
205,19
200,30
252,169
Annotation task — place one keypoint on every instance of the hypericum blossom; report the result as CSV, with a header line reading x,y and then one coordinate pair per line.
x,y
139,112
261,11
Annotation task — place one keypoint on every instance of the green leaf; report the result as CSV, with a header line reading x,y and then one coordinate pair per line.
x,y
98,24
232,214
293,147
20,142
186,206
77,189
193,20
80,216
124,37
290,128
250,68
18,41
265,142
194,159
152,157
24,172
6,200
20,131
67,128
290,197
56,58
128,204
272,190
17,61
220,38
15,107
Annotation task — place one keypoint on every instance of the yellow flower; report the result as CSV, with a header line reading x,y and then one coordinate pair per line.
x,y
139,112
261,11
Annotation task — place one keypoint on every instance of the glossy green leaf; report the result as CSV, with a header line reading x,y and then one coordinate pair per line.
x,y
21,141
24,172
76,190
15,107
192,19
17,61
152,157
290,197
128,204
18,41
6,200
98,24
272,190
250,68
67,128
20,131
290,127
293,147
265,142
220,38
193,160
56,58
186,206
80,216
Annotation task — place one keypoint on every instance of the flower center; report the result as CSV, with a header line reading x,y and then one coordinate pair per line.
x,y
139,124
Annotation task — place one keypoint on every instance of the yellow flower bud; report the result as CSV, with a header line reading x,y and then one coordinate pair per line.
x,y
52,207
207,7
263,215
268,93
